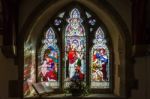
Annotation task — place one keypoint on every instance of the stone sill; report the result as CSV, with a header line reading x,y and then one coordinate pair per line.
x,y
69,96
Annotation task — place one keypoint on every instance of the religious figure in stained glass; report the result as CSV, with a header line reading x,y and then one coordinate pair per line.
x,y
75,45
100,61
49,66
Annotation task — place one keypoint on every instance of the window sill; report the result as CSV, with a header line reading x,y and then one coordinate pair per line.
x,y
69,96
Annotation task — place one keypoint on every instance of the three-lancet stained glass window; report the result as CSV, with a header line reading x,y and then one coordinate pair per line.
x,y
82,46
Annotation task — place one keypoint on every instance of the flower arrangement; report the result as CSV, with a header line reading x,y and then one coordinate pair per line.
x,y
77,87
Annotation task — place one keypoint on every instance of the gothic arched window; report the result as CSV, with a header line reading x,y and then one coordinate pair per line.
x,y
74,39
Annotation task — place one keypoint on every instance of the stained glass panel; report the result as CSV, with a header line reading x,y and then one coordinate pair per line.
x,y
48,69
76,42
75,28
61,15
88,15
92,22
75,47
100,62
57,22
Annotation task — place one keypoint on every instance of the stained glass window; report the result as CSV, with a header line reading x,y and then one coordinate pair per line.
x,y
75,46
81,48
48,69
100,62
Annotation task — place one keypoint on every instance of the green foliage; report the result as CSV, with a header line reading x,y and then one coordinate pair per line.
x,y
85,89
79,62
80,87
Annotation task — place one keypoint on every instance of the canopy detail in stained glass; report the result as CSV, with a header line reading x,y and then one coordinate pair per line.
x,y
75,28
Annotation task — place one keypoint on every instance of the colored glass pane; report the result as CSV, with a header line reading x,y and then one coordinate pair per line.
x,y
75,28
99,62
49,60
75,46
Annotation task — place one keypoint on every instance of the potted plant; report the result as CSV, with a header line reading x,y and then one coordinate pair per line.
x,y
77,86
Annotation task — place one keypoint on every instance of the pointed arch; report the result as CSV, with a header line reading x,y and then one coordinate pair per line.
x,y
113,28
